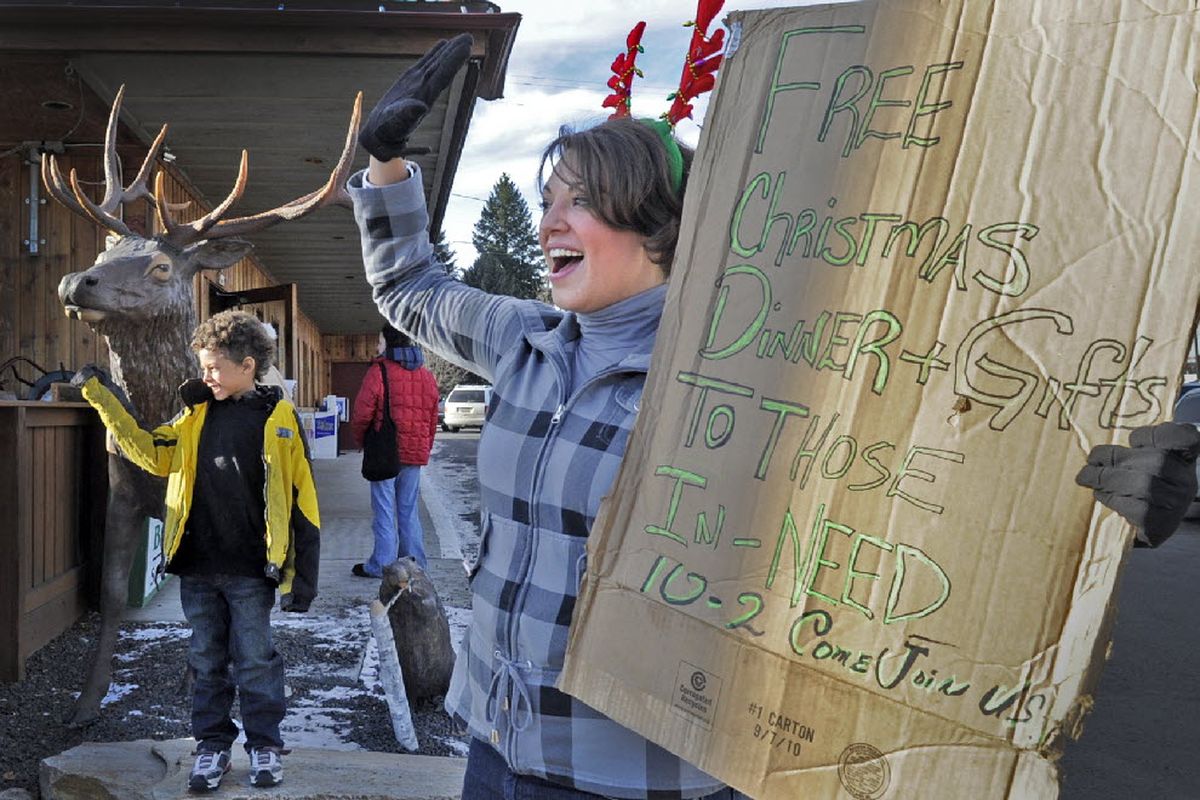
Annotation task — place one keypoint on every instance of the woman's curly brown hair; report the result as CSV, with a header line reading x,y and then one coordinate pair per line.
x,y
237,334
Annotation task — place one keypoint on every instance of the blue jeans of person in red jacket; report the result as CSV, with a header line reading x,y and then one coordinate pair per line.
x,y
396,523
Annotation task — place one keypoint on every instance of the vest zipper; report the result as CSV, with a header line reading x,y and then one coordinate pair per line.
x,y
510,745
523,590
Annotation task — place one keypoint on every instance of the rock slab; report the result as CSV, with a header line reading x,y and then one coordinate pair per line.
x,y
153,770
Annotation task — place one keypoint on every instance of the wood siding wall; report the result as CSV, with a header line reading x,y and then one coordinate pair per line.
x,y
52,486
357,347
32,323
312,363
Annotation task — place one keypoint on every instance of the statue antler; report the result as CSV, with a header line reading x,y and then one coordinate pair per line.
x,y
211,226
104,214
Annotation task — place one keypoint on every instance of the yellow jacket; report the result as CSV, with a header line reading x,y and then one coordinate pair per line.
x,y
292,529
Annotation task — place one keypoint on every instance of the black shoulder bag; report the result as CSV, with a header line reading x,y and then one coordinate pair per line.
x,y
380,461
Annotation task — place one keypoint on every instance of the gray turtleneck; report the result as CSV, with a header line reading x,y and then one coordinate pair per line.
x,y
610,334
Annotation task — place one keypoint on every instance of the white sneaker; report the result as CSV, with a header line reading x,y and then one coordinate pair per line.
x,y
266,767
210,767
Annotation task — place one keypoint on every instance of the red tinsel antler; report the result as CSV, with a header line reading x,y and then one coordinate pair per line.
x,y
624,69
700,65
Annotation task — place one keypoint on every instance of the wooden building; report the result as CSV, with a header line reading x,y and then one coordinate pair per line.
x,y
276,77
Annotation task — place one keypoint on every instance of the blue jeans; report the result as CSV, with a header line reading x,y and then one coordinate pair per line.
x,y
396,523
230,617
489,778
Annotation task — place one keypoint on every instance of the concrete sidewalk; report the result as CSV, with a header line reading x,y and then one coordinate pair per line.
x,y
150,770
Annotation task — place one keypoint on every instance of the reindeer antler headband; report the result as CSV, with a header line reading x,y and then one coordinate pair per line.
x,y
700,64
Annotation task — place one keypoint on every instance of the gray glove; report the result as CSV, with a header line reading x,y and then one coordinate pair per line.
x,y
394,118
1151,483
89,371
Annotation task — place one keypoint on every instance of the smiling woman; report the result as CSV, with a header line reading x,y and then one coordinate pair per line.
x,y
567,382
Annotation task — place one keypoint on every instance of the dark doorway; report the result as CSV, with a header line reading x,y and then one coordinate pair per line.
x,y
344,379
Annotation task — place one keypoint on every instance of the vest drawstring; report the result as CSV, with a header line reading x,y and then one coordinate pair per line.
x,y
508,675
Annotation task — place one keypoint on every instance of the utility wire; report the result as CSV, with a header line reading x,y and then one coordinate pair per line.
x,y
535,80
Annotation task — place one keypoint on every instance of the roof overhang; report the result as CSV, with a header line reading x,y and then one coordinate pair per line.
x,y
279,82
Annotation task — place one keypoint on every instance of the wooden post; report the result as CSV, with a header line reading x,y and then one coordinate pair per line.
x,y
291,314
12,665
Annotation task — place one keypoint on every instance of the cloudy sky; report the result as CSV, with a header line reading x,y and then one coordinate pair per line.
x,y
557,74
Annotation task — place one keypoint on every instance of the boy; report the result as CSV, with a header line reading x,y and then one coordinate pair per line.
x,y
241,521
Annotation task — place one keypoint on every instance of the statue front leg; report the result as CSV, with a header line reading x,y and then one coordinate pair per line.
x,y
123,524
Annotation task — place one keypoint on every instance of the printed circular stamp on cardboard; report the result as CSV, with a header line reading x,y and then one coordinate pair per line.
x,y
864,772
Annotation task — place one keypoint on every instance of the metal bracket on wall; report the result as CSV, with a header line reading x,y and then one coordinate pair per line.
x,y
34,199
33,159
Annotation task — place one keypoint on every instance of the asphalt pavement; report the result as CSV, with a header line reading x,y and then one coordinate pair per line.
x,y
1142,739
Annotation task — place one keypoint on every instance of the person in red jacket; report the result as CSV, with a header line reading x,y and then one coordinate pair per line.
x,y
413,396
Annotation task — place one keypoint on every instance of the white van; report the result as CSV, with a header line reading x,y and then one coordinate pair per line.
x,y
466,406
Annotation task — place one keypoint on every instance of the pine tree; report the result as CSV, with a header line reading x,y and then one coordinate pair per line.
x,y
448,375
444,254
510,259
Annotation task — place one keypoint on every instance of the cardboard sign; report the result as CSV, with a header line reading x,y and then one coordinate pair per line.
x,y
933,252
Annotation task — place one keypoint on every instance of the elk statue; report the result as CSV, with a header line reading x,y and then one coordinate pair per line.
x,y
138,295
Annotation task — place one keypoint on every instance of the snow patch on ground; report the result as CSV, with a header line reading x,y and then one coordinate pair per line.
x,y
321,718
137,643
116,691
456,746
156,631
336,634
331,630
